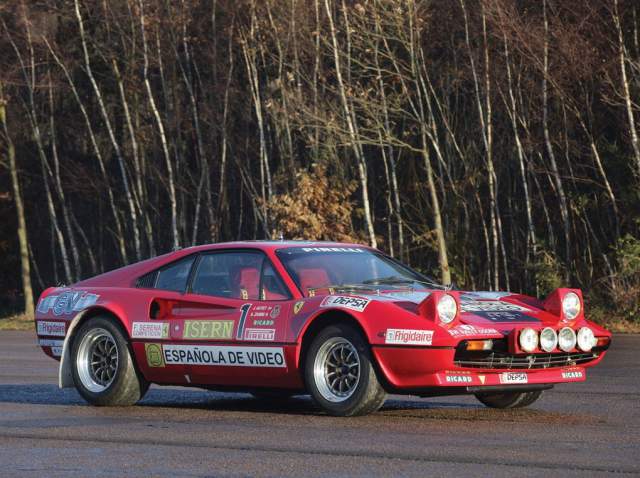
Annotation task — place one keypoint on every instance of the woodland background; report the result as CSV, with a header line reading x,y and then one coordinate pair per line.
x,y
489,142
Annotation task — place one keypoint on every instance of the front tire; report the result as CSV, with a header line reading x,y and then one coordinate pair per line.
x,y
102,365
339,373
508,399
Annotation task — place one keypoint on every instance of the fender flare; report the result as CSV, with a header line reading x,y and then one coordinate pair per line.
x,y
65,375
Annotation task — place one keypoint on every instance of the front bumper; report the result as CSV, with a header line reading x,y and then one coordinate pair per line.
x,y
419,368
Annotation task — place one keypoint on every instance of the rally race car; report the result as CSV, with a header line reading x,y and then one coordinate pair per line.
x,y
342,322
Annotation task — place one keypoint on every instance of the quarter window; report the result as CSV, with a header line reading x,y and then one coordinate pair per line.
x,y
175,276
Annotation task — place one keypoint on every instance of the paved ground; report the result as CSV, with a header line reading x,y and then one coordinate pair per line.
x,y
588,429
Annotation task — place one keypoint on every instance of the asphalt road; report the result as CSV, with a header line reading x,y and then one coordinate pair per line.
x,y
587,429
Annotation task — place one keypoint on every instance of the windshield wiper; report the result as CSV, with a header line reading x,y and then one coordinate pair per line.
x,y
389,280
341,287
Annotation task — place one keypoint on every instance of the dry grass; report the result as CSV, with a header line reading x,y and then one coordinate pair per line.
x,y
17,322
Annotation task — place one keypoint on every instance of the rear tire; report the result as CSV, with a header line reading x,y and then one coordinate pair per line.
x,y
508,399
339,372
102,365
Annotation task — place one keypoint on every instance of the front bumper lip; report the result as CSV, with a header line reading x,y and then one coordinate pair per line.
x,y
404,368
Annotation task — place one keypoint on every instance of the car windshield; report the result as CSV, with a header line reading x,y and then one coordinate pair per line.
x,y
314,268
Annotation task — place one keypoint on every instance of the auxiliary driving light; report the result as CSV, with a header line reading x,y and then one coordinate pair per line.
x,y
571,305
586,339
447,309
548,339
567,339
528,340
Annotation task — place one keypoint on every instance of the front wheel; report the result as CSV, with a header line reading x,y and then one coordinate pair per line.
x,y
339,373
508,399
102,365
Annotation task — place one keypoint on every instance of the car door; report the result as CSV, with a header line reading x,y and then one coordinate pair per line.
x,y
233,321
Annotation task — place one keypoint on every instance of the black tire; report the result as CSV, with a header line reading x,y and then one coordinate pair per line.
x,y
362,395
509,399
122,385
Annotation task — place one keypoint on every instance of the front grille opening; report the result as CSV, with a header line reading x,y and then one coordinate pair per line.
x,y
500,360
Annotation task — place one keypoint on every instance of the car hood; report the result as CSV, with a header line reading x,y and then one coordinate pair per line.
x,y
480,308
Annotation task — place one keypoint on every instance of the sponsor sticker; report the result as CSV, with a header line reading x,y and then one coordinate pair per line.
x,y
514,377
260,335
214,355
50,343
459,379
481,378
275,312
67,302
207,329
490,306
56,351
465,330
56,329
572,375
154,355
263,322
408,337
150,330
297,307
332,249
352,303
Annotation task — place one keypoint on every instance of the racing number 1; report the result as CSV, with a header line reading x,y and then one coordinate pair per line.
x,y
243,318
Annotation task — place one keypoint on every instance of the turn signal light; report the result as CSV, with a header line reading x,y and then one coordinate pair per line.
x,y
480,344
603,341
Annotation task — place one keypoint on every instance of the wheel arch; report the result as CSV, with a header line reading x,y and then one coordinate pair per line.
x,y
321,321
65,376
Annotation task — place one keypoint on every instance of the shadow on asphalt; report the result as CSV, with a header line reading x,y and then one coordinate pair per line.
x,y
197,399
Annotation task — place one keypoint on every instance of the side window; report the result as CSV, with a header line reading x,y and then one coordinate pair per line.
x,y
272,286
229,274
175,276
238,275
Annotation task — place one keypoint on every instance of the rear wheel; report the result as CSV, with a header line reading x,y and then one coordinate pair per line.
x,y
102,365
509,399
339,372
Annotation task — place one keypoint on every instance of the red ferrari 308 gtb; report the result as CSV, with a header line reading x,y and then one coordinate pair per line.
x,y
342,322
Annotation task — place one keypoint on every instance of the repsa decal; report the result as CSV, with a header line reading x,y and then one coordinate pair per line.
x,y
260,335
514,377
56,329
352,303
408,337
154,355
207,329
67,302
466,330
214,355
150,330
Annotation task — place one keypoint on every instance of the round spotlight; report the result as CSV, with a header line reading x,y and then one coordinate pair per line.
x,y
586,339
528,340
447,309
567,339
571,305
548,339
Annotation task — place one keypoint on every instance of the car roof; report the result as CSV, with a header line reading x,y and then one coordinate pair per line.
x,y
124,276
